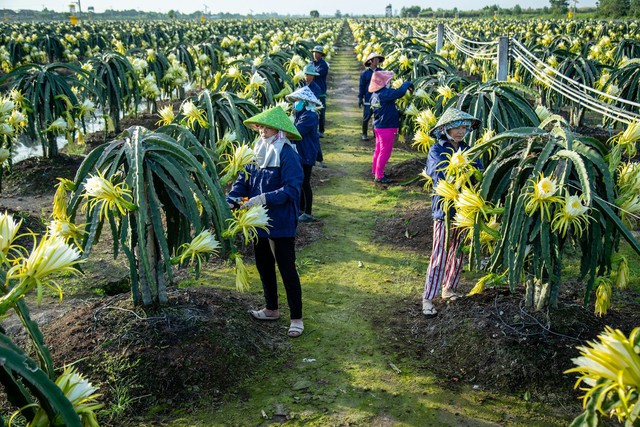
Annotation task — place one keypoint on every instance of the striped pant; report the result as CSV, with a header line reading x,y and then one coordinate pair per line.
x,y
446,262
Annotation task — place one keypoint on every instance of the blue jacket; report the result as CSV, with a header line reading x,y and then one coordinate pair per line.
x,y
322,68
313,86
436,162
281,187
387,115
307,124
365,78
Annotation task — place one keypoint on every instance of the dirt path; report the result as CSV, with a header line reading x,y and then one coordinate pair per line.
x,y
340,372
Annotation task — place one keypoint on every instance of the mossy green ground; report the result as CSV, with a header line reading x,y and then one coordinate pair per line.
x,y
339,372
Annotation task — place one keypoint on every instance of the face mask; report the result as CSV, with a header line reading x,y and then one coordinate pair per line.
x,y
298,105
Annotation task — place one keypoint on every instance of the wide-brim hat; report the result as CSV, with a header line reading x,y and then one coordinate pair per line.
x,y
275,118
372,55
318,48
310,69
452,115
303,94
379,79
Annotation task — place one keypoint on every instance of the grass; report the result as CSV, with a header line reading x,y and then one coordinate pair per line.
x,y
339,372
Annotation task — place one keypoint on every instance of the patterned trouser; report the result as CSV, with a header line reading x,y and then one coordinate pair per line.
x,y
446,263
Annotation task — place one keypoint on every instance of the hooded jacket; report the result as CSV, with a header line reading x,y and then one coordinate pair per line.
x,y
281,186
386,115
365,78
306,122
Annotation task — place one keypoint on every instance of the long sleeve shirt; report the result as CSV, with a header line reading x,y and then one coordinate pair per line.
x,y
387,115
306,122
281,188
363,89
313,86
322,68
437,161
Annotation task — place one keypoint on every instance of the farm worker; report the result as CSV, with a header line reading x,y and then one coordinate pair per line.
x,y
386,119
310,74
322,68
446,260
306,121
275,181
371,63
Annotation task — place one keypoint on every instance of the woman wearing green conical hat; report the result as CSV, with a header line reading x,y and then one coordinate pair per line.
x,y
274,181
445,264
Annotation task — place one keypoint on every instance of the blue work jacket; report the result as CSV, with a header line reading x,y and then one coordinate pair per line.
x,y
365,78
306,122
313,86
281,187
322,68
386,115
437,161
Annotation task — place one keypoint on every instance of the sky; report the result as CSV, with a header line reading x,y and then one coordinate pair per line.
x,y
283,7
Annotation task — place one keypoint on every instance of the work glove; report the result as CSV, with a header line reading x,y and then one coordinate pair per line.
x,y
360,104
254,201
234,202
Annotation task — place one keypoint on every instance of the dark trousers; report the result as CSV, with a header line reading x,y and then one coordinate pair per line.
x,y
366,116
323,99
281,251
306,197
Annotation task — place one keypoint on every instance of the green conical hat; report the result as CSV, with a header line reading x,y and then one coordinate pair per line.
x,y
311,70
275,118
450,116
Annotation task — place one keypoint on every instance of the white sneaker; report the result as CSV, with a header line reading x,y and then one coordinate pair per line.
x,y
428,309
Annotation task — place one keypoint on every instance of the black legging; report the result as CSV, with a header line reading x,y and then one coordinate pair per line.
x,y
323,99
306,197
282,251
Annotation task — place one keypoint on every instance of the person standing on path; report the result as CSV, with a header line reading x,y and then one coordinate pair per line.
x,y
322,68
310,74
386,120
445,265
306,121
274,181
371,65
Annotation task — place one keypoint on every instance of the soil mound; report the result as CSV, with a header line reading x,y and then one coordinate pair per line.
x,y
491,340
201,345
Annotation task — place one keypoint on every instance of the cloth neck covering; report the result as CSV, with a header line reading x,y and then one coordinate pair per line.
x,y
268,150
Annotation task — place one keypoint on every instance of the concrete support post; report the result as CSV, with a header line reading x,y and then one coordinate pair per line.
x,y
503,59
440,38
410,31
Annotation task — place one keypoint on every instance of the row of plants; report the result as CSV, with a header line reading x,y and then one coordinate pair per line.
x,y
158,193
603,56
545,192
48,42
45,101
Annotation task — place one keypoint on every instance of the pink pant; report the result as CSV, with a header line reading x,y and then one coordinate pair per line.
x,y
446,262
384,146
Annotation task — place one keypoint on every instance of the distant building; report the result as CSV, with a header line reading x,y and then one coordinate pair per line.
x,y
388,11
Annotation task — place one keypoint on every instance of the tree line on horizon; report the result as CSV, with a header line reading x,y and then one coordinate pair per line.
x,y
604,9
